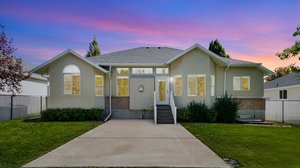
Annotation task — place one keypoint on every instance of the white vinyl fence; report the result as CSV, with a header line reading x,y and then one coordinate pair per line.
x,y
12,107
283,111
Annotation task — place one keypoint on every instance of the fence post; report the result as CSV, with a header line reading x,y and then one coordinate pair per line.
x,y
282,115
41,103
11,106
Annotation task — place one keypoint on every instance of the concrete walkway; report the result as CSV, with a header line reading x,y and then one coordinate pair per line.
x,y
132,143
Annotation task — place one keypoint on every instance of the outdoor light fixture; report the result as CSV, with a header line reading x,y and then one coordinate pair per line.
x,y
171,79
141,88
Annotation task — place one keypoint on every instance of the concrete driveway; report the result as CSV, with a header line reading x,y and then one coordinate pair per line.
x,y
132,143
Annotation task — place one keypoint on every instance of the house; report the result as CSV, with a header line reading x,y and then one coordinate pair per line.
x,y
124,82
286,87
35,85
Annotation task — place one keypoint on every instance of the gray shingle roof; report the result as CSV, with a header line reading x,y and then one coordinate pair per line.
x,y
286,80
140,55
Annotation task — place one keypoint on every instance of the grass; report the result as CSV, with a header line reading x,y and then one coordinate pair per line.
x,y
253,146
22,142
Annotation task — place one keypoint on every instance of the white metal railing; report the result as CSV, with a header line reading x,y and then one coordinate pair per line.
x,y
154,107
173,107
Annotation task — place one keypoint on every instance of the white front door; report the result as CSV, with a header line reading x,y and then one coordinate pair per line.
x,y
162,89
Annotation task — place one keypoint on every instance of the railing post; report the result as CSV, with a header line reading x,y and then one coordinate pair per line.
x,y
175,115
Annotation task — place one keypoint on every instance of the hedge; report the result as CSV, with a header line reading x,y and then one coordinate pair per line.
x,y
71,114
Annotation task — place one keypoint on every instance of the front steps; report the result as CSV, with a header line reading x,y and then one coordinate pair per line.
x,y
164,114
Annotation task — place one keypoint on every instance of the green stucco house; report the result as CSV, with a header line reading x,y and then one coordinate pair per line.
x,y
147,82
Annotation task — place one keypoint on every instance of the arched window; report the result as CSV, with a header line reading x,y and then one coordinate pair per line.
x,y
71,80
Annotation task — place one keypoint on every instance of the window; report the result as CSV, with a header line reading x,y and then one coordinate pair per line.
x,y
212,85
142,71
241,83
71,74
196,85
99,85
123,71
162,70
282,94
122,86
177,85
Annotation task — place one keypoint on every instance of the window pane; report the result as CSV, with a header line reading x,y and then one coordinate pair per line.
x,y
162,90
67,84
162,70
123,89
236,83
192,86
75,85
245,83
142,71
123,70
99,90
177,85
201,85
99,85
99,81
284,94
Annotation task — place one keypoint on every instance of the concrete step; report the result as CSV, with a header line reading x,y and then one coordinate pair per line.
x,y
165,122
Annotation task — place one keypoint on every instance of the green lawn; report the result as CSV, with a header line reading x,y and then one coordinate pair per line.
x,y
253,146
21,142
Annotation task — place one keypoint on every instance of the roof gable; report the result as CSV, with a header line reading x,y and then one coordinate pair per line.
x,y
40,69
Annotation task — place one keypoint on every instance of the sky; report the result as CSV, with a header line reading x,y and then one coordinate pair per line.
x,y
253,30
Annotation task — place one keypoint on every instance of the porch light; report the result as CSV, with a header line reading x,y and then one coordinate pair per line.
x,y
171,79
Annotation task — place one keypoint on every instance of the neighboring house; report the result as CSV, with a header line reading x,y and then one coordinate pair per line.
x,y
35,85
130,77
286,87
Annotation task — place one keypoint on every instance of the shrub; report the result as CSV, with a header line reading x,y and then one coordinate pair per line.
x,y
183,115
211,115
226,108
198,111
71,114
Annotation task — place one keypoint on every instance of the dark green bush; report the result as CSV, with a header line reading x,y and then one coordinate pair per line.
x,y
211,115
183,115
71,114
198,111
226,108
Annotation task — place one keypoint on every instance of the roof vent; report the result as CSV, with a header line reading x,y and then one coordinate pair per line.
x,y
158,47
147,47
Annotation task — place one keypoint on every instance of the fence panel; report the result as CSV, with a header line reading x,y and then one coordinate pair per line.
x,y
283,111
274,110
22,106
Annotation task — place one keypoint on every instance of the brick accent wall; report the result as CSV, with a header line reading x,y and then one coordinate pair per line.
x,y
117,102
252,103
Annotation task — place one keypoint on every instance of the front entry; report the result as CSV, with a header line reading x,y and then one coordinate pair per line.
x,y
162,89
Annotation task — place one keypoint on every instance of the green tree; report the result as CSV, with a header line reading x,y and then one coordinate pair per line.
x,y
217,48
281,71
93,49
293,50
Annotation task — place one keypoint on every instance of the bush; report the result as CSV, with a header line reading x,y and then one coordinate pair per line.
x,y
71,114
183,115
226,108
198,111
212,115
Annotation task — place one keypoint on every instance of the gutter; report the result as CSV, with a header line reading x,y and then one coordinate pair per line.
x,y
109,95
225,78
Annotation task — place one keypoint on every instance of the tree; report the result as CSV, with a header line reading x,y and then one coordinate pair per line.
x,y
281,71
293,50
217,48
11,70
93,49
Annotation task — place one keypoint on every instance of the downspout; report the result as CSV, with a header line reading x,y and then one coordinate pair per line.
x,y
109,95
225,78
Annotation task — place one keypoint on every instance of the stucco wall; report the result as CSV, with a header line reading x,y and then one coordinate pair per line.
x,y
256,82
87,97
193,62
141,100
293,93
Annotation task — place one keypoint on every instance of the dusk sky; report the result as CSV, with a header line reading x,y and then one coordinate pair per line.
x,y
249,30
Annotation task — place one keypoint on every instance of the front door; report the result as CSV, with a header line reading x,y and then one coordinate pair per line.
x,y
162,89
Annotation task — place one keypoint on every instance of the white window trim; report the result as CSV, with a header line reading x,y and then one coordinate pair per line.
x,y
178,76
102,85
63,83
212,86
117,87
196,75
240,79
